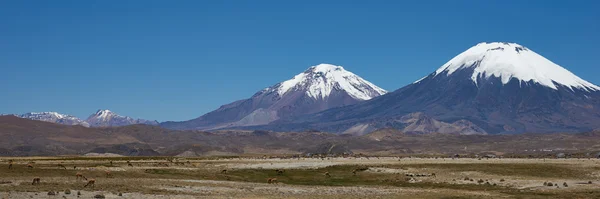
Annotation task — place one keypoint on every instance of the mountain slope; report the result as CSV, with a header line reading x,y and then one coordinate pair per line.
x,y
499,87
105,118
318,88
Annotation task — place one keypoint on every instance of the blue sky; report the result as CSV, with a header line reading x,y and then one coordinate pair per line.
x,y
176,60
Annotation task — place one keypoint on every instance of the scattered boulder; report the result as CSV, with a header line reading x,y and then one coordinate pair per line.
x,y
78,193
51,193
549,184
565,184
502,180
99,196
120,194
67,191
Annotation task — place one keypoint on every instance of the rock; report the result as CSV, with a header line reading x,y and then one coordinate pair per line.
x,y
68,191
51,193
99,196
78,193
120,194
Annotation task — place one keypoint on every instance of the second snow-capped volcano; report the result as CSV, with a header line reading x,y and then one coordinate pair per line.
x,y
322,80
320,87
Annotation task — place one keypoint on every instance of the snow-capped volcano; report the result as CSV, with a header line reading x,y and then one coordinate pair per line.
x,y
105,118
512,61
498,87
316,89
54,117
321,80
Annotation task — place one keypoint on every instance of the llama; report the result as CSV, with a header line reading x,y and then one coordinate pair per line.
x,y
35,181
90,183
272,180
279,171
79,175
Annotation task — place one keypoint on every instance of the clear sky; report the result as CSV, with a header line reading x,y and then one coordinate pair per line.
x,y
176,60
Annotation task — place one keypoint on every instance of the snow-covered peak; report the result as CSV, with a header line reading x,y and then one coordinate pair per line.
x,y
511,60
55,118
104,118
50,114
319,81
104,114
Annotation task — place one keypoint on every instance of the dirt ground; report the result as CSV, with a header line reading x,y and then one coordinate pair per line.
x,y
389,177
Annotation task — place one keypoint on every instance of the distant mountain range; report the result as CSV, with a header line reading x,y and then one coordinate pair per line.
x,y
491,88
319,88
24,137
102,118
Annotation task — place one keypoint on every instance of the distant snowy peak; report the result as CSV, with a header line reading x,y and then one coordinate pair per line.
x,y
319,81
54,117
106,118
511,60
105,115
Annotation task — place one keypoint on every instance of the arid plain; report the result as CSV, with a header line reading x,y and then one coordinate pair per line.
x,y
299,177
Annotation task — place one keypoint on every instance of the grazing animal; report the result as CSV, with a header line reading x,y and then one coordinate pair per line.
x,y
35,181
90,183
279,171
129,164
272,180
108,174
62,166
111,163
79,175
433,175
224,171
74,167
10,165
327,174
30,166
